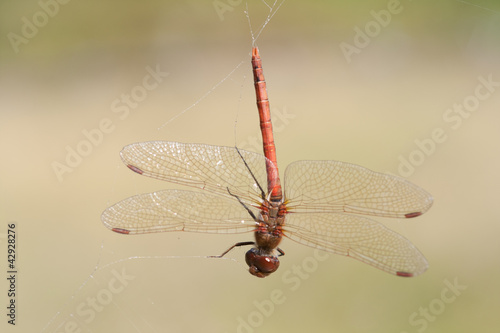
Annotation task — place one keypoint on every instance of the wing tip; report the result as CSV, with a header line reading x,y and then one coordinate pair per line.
x,y
414,214
135,169
121,231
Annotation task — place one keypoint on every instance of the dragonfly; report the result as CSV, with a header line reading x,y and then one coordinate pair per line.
x,y
322,204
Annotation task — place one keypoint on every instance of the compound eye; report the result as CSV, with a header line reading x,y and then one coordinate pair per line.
x,y
261,266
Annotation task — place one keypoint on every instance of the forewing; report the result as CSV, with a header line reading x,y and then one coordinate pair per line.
x,y
212,168
359,238
174,210
332,186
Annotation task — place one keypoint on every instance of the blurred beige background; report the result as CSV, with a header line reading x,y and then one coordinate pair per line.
x,y
61,80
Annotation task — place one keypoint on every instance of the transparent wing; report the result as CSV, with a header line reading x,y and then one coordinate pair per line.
x,y
332,186
359,238
212,168
174,210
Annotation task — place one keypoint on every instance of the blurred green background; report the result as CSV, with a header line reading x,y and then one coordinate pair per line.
x,y
61,79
